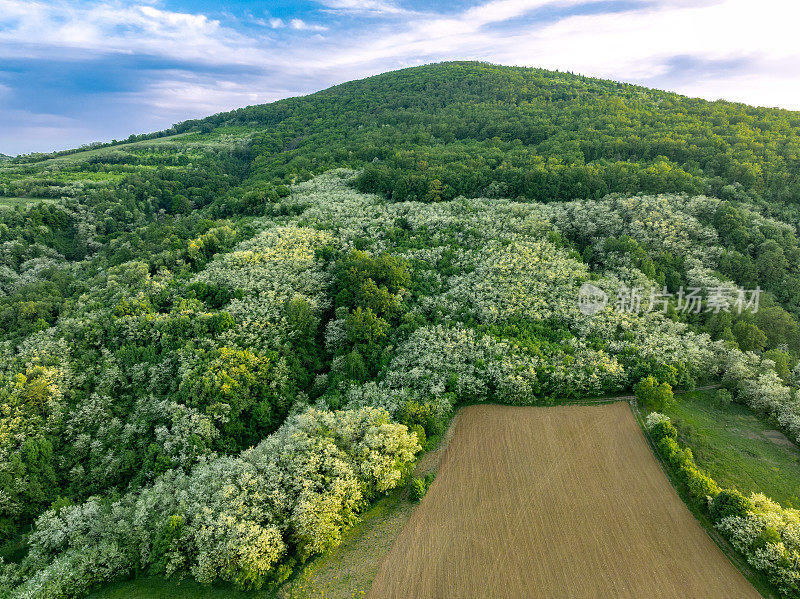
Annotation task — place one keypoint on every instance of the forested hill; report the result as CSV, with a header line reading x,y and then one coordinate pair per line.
x,y
443,130
213,356
474,129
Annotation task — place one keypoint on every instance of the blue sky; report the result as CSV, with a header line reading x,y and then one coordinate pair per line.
x,y
73,72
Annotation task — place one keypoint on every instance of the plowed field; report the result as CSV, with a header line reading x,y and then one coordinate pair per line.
x,y
553,503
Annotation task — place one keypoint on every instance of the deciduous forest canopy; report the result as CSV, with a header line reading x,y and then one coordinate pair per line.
x,y
220,342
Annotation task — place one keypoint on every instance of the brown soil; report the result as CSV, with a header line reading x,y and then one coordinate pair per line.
x,y
553,502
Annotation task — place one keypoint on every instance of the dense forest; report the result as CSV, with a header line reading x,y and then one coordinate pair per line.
x,y
220,342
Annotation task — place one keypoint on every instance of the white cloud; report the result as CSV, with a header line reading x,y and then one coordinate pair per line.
x,y
641,45
497,11
301,25
276,23
362,6
29,27
174,95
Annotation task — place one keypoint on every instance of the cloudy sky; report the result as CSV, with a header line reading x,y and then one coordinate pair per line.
x,y
73,72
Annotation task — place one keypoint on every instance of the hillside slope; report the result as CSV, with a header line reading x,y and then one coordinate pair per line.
x,y
512,132
190,322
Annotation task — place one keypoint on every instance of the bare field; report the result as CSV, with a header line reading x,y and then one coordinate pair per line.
x,y
553,502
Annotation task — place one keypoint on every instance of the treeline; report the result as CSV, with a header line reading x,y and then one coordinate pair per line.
x,y
766,534
246,520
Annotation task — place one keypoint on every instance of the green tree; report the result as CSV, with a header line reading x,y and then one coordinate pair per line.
x,y
781,359
654,395
771,264
364,326
730,502
749,336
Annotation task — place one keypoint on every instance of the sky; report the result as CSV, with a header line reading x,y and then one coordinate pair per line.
x,y
75,72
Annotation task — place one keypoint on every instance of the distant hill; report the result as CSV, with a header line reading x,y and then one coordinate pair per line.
x,y
470,129
5,157
465,128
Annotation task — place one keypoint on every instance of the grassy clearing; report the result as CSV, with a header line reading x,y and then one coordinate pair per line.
x,y
737,448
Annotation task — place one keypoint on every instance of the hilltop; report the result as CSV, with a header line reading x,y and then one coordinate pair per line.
x,y
464,128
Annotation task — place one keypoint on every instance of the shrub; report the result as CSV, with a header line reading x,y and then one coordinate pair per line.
x,y
730,502
667,447
413,412
654,418
702,487
419,430
766,536
418,489
675,456
662,430
723,397
420,486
